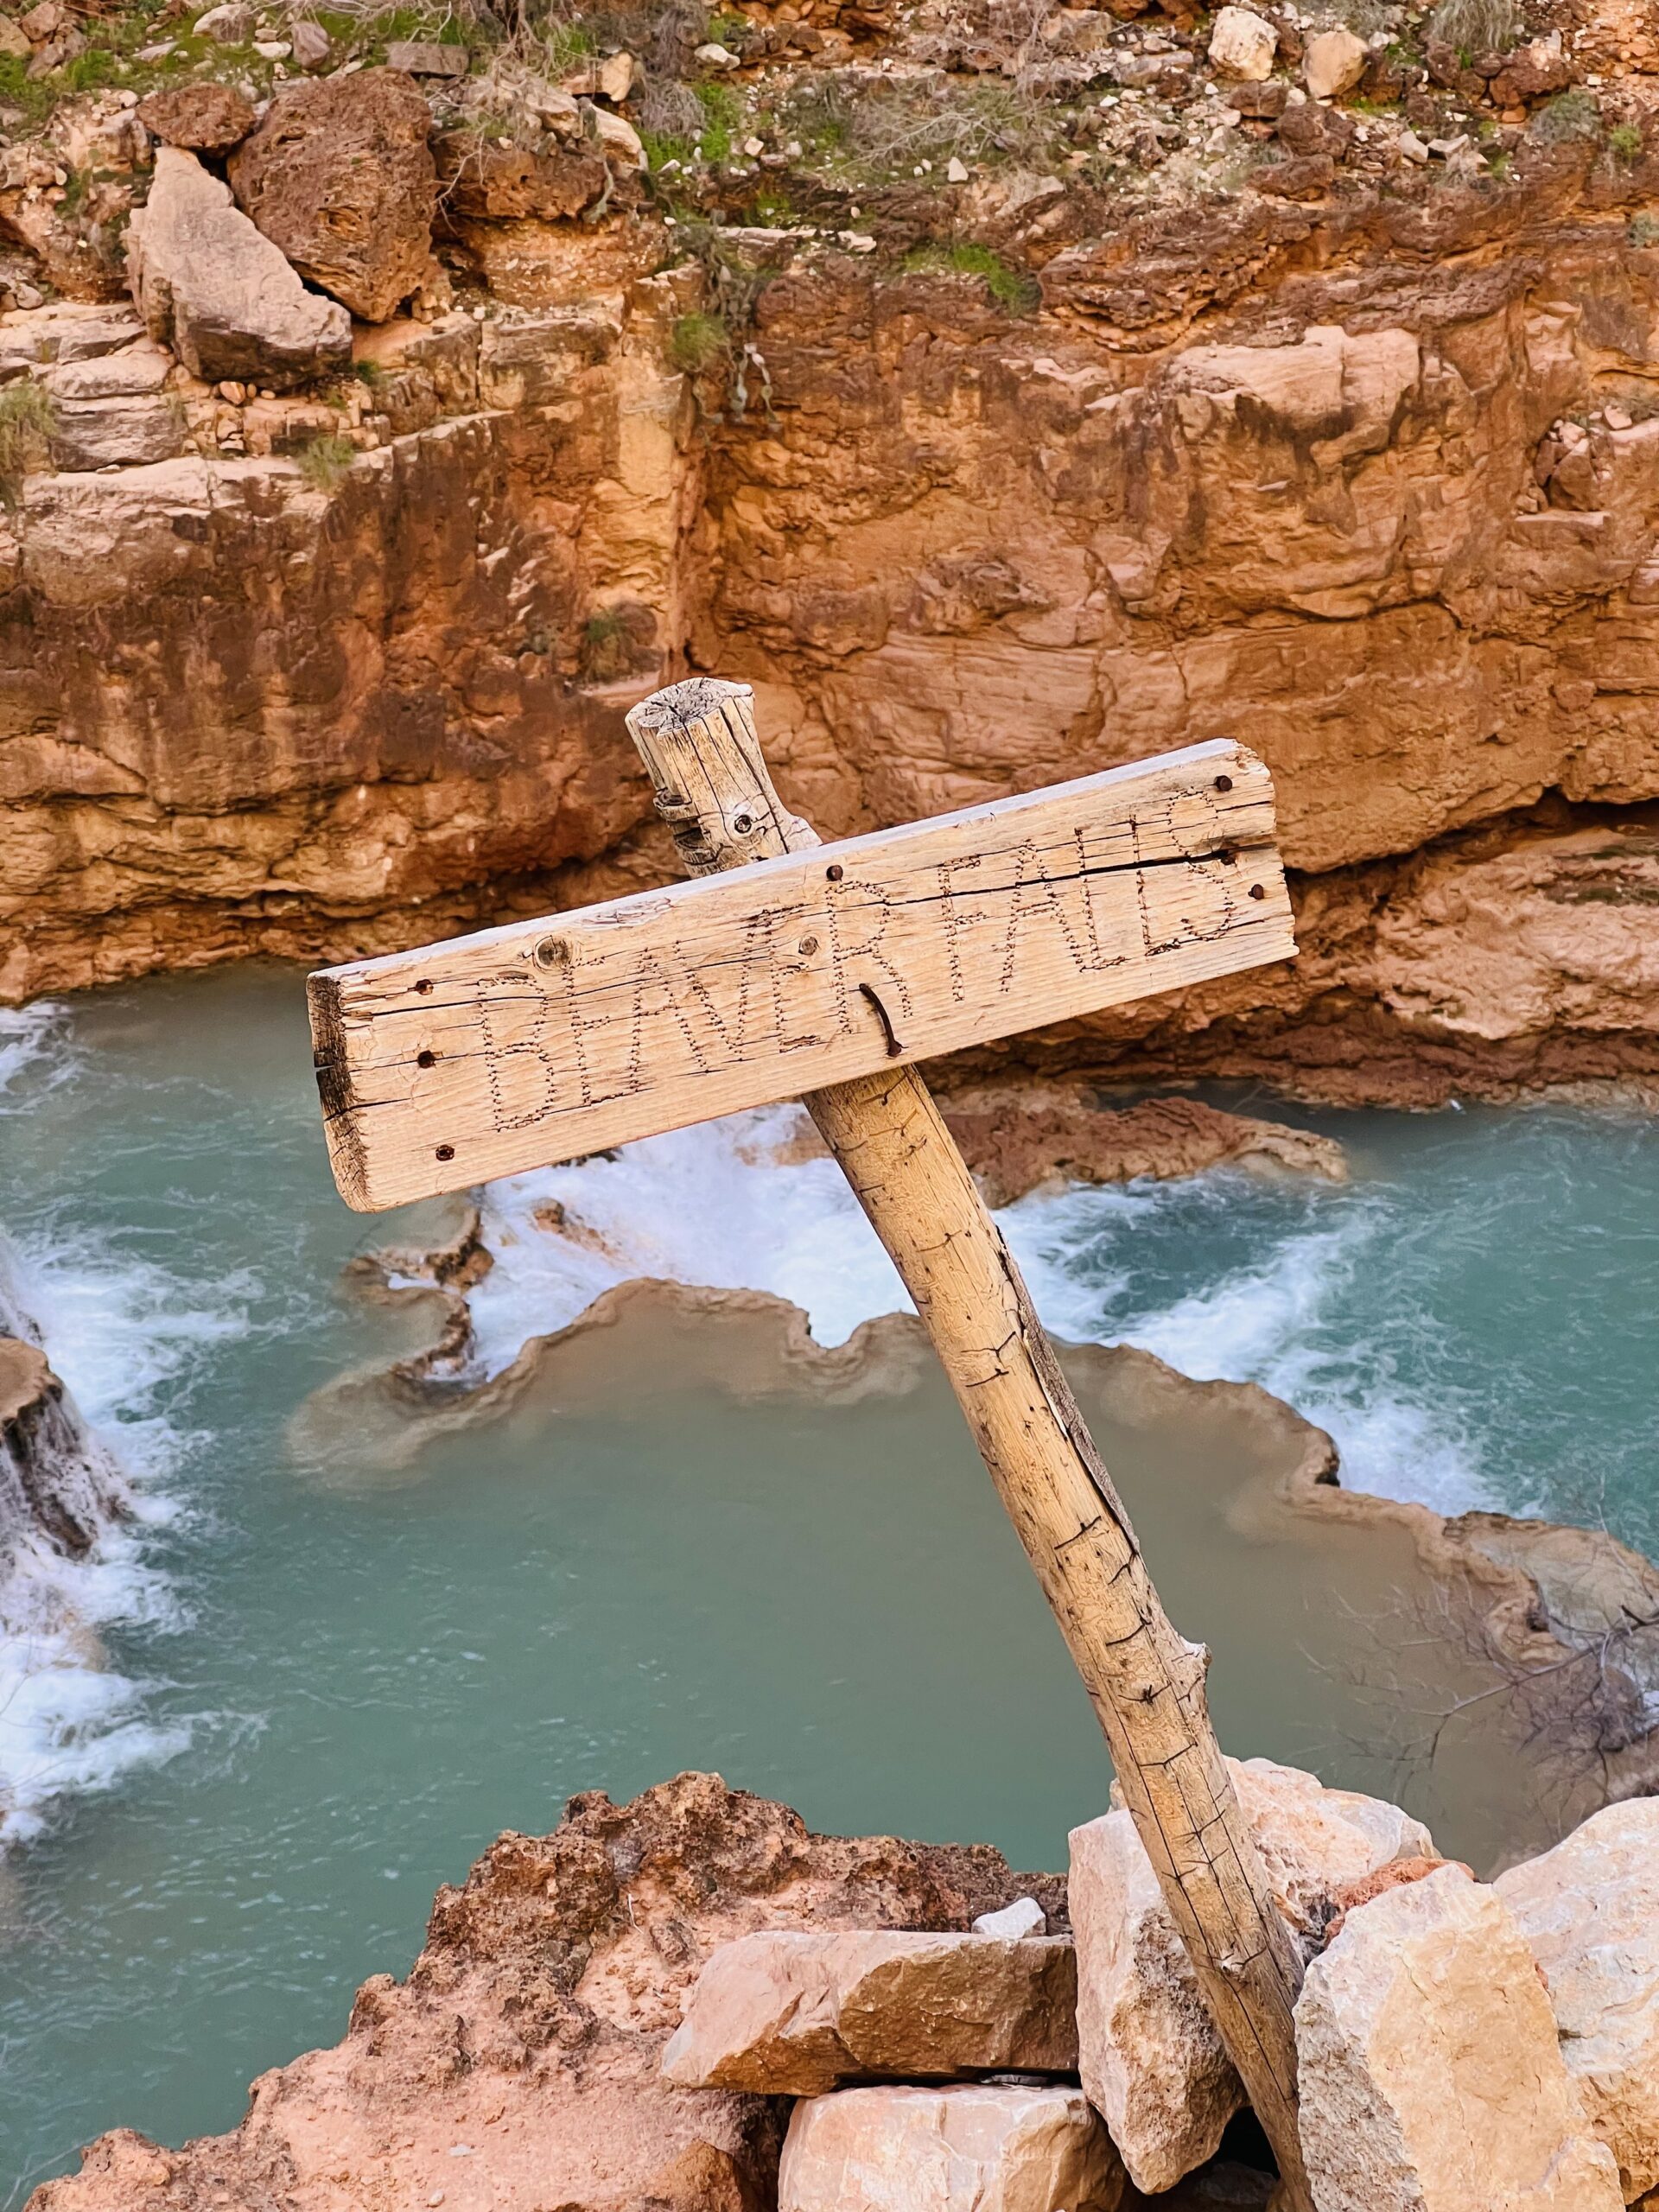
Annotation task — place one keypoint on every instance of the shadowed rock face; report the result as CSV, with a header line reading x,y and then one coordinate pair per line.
x,y
532,2024
1281,472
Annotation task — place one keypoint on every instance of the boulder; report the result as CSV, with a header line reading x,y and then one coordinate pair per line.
x,y
792,2014
1589,1910
340,176
425,57
621,142
1334,63
313,48
14,40
218,294
1150,2057
958,2150
1025,1916
1243,45
231,25
117,432
491,182
1430,2077
1533,72
204,119
46,21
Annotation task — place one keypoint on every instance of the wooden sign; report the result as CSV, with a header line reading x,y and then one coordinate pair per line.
x,y
547,1040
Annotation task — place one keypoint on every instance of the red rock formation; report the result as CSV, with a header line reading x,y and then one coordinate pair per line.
x,y
1309,474
516,2068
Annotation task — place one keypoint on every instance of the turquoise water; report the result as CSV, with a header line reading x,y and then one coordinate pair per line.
x,y
326,1696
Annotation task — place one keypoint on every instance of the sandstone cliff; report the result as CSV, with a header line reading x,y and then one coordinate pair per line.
x,y
1369,477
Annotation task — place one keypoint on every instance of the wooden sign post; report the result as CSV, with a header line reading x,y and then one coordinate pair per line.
x,y
826,970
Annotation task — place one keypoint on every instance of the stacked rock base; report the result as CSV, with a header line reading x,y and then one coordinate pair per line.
x,y
1464,2047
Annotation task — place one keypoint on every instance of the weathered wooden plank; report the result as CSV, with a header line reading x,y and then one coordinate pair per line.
x,y
545,1040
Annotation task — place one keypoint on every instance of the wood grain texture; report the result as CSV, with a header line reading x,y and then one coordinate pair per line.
x,y
1145,1680
518,1047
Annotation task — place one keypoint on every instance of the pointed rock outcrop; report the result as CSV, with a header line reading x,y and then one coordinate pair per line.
x,y
218,294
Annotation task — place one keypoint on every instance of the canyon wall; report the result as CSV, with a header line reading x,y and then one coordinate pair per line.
x,y
1371,483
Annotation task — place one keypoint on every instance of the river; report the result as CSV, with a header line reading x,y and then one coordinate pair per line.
x,y
330,1677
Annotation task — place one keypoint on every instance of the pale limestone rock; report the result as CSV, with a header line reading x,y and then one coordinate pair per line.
x,y
1590,1911
312,44
618,138
222,297
969,2149
135,370
794,2014
425,57
230,25
1025,1916
1243,45
1431,2081
616,76
122,431
1150,2057
1334,63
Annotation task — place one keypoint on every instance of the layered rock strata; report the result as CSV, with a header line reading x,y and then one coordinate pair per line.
x,y
1297,472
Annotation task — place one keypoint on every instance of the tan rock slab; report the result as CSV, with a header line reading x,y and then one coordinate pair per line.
x,y
1589,1910
123,431
1150,2058
797,2014
1242,44
425,57
968,2149
1334,63
1431,2081
222,298
313,48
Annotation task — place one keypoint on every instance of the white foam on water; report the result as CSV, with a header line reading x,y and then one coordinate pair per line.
x,y
715,1205
1271,1323
726,1204
115,1328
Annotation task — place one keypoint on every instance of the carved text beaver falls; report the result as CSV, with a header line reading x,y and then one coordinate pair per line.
x,y
516,1046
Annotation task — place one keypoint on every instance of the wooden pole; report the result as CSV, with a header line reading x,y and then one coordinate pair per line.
x,y
699,743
